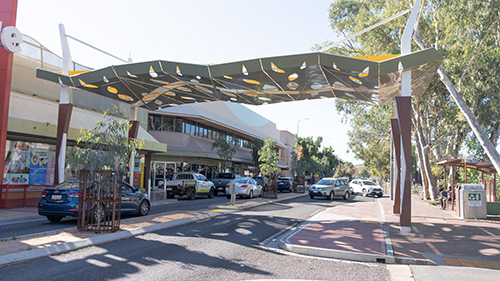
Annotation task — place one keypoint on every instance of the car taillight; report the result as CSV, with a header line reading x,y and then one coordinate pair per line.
x,y
244,186
227,186
73,195
44,194
181,187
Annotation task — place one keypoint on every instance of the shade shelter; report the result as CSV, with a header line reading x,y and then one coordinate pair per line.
x,y
466,164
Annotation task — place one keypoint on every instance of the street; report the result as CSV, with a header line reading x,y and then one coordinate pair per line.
x,y
41,224
222,248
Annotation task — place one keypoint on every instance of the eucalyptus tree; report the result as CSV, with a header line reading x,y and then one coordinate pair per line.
x,y
467,34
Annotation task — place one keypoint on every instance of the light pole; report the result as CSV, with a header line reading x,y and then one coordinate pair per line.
x,y
297,141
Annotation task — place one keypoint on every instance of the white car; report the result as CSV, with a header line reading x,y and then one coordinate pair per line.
x,y
246,186
366,187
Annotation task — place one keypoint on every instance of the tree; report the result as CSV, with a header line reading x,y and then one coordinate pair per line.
x,y
256,146
466,33
268,157
106,147
225,150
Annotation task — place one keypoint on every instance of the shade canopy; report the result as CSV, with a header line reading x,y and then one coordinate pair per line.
x,y
157,84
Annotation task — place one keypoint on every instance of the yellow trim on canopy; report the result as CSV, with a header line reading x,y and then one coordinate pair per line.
x,y
75,72
377,58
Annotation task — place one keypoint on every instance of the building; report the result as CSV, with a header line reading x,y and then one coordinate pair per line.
x,y
176,139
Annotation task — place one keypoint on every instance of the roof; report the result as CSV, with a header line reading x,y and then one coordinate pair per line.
x,y
158,84
484,167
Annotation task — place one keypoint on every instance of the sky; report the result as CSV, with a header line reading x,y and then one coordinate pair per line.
x,y
199,32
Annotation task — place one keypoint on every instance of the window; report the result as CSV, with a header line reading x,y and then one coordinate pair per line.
x,y
168,124
178,125
154,122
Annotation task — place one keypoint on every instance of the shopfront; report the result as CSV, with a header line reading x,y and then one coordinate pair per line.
x,y
29,168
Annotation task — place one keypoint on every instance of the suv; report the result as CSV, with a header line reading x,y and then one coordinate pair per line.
x,y
223,179
285,184
329,188
366,187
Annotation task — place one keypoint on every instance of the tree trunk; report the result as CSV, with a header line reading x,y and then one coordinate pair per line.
x,y
425,185
425,164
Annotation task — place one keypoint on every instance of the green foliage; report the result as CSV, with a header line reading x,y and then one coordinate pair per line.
x,y
256,146
268,157
467,33
106,147
364,173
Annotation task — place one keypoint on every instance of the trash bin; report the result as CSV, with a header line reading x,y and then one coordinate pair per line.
x,y
472,201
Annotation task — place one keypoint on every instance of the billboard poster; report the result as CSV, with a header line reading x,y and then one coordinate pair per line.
x,y
8,158
20,163
38,165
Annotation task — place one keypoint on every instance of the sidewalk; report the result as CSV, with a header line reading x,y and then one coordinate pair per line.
x,y
368,231
18,249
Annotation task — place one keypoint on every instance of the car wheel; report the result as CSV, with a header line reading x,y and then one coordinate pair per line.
x,y
379,195
191,193
346,195
364,192
290,190
228,196
211,193
250,196
55,218
216,192
311,196
143,208
331,195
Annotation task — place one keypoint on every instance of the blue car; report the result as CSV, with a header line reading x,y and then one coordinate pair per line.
x,y
62,200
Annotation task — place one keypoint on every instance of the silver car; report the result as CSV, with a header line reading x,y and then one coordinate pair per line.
x,y
329,188
246,186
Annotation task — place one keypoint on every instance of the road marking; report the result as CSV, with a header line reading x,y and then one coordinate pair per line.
x,y
216,211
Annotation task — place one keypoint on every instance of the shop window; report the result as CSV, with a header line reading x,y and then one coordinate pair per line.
x,y
168,124
178,125
154,122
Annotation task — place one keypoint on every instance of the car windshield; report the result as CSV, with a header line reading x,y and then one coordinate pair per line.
x,y
224,176
241,180
325,182
369,183
283,179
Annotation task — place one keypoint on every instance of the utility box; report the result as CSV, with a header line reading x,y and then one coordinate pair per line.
x,y
472,200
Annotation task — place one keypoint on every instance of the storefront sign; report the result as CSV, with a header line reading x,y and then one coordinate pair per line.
x,y
474,199
11,38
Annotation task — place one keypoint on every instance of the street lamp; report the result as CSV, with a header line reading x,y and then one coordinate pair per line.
x,y
297,135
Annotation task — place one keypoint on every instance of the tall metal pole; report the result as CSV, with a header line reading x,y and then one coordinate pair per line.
x,y
403,105
65,109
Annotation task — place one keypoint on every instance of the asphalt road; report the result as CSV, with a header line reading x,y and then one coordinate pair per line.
x,y
40,224
222,248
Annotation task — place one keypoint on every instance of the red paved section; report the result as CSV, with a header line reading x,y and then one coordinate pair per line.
x,y
354,236
351,227
442,232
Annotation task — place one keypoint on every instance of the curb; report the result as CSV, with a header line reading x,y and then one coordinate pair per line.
x,y
389,258
124,234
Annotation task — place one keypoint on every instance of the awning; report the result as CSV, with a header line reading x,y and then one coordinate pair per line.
x,y
158,84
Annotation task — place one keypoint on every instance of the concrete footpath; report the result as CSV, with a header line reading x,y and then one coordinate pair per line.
x,y
358,231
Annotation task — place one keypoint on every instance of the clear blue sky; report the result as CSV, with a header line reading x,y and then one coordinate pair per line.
x,y
200,32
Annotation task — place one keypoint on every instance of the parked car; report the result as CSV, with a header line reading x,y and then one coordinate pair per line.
x,y
329,188
285,184
223,179
246,186
190,185
366,187
261,180
62,200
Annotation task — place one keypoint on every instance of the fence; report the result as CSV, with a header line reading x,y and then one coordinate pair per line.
x,y
99,201
26,195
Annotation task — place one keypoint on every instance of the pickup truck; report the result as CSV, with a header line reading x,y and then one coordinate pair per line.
x,y
223,179
189,184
